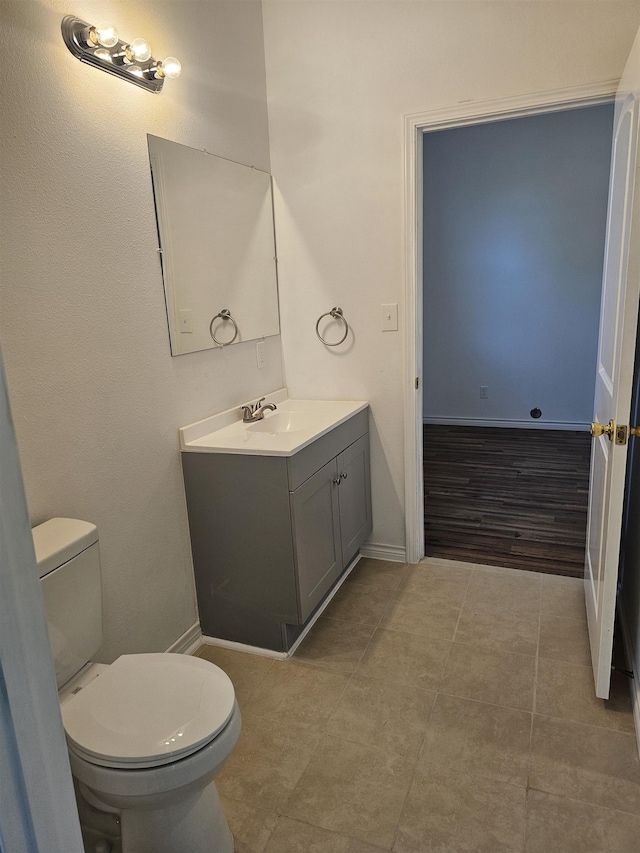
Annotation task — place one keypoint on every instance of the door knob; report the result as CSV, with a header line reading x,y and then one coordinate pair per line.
x,y
635,431
598,429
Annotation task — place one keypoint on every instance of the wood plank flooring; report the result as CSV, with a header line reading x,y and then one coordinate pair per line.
x,y
507,497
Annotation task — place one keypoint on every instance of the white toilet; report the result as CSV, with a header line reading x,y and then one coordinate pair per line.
x,y
147,734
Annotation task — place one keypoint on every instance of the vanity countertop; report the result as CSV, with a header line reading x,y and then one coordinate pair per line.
x,y
293,425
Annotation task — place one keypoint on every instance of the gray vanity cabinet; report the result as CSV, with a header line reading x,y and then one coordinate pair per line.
x,y
272,535
315,516
355,497
331,515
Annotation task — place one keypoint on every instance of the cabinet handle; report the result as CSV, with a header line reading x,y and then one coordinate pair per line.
x,y
336,482
344,476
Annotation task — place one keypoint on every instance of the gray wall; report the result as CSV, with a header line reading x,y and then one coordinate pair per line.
x,y
514,225
96,397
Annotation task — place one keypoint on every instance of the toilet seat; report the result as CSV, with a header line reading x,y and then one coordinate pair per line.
x,y
148,710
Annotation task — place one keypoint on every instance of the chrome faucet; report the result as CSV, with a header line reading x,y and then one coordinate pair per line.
x,y
255,411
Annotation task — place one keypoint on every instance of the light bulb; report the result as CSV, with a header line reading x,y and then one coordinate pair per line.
x,y
103,53
106,34
171,67
135,70
138,51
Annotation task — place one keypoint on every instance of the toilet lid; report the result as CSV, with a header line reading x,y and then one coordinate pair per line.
x,y
147,710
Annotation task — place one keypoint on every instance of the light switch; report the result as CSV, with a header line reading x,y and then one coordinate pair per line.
x,y
261,356
185,321
389,317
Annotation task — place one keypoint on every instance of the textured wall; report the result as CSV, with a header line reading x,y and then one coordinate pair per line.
x,y
340,76
96,397
514,223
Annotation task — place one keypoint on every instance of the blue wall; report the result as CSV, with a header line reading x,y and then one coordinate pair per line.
x,y
514,225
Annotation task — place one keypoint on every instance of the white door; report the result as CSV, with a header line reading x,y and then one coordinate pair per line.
x,y
614,378
37,804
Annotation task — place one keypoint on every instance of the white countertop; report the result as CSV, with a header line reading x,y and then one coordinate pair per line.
x,y
293,425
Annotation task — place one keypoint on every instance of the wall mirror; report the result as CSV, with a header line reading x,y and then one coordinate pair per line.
x,y
217,244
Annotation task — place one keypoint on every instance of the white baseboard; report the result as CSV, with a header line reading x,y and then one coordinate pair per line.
x,y
379,551
527,424
243,647
188,642
634,686
270,653
325,603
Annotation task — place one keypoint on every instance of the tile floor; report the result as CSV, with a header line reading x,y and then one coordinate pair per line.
x,y
435,708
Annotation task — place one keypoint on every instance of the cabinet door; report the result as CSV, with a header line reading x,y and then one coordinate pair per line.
x,y
354,497
316,531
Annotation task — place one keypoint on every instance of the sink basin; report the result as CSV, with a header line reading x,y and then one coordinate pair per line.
x,y
283,432
275,423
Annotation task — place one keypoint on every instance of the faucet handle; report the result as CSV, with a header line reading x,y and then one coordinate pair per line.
x,y
251,409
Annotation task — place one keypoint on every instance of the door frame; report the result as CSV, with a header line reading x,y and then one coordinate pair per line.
x,y
36,790
415,126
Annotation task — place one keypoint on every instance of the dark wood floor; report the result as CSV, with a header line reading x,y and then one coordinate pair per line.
x,y
507,497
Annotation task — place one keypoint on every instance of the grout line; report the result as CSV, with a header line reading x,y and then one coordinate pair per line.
x,y
526,819
455,630
533,715
484,647
584,802
438,691
571,722
336,832
483,702
535,675
464,601
413,772
583,723
339,700
377,626
353,672
442,770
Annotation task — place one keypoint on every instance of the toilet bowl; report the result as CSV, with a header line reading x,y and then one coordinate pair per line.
x,y
147,734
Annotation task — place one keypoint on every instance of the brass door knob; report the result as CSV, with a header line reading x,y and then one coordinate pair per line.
x,y
635,431
598,429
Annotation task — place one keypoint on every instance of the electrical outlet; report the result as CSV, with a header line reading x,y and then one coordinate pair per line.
x,y
261,356
484,392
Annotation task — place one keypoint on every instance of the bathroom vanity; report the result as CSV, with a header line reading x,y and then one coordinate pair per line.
x,y
277,511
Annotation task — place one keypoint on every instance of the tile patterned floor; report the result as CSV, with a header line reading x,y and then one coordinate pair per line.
x,y
436,708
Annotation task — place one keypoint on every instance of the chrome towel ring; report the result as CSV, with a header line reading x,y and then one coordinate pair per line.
x,y
225,314
337,314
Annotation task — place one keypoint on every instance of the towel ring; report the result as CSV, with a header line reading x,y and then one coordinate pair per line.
x,y
225,314
337,314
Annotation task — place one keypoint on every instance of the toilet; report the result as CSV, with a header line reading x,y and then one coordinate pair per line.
x,y
146,734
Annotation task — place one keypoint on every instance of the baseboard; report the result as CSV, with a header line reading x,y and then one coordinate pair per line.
x,y
270,653
527,424
188,642
325,603
379,551
634,686
243,647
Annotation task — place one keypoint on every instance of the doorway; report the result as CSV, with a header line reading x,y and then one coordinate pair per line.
x,y
416,125
514,229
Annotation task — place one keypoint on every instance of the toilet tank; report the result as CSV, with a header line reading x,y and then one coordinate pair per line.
x,y
68,558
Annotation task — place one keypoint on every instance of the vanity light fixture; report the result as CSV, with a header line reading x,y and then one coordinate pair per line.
x,y
100,46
